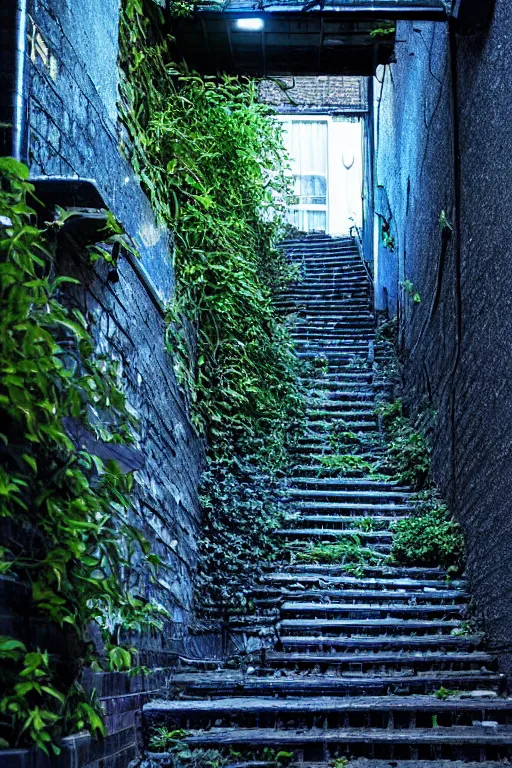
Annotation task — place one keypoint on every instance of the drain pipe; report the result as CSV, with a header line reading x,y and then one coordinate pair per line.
x,y
15,140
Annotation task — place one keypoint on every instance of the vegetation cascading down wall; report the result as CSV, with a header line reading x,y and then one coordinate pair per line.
x,y
212,163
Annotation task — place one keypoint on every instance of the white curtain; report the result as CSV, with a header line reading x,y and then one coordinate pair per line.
x,y
306,142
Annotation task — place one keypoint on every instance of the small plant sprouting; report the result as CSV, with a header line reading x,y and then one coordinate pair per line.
x,y
386,29
409,290
444,223
444,693
346,552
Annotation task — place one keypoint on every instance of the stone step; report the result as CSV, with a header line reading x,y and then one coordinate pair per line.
x,y
318,471
326,491
381,661
376,572
335,611
475,742
369,626
348,523
378,487
320,418
363,643
364,509
377,596
368,585
378,541
327,712
227,684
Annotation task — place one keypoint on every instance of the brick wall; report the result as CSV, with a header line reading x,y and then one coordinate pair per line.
x,y
72,79
457,341
304,94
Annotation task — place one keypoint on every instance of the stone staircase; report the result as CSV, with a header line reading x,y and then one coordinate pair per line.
x,y
374,664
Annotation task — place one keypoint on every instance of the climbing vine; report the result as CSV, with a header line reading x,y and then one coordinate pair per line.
x,y
212,163
65,513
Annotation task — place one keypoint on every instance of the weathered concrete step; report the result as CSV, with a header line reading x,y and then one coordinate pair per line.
x,y
473,705
366,626
374,662
274,597
366,508
325,580
341,346
323,394
354,485
365,611
337,316
324,423
460,741
327,492
351,309
378,541
322,338
334,359
222,684
333,281
351,425
341,522
377,572
323,329
400,643
329,383
340,413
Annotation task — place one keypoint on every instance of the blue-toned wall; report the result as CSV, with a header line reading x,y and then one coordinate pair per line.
x,y
436,104
73,130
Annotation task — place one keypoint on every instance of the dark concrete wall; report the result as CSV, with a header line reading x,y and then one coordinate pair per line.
x,y
432,108
73,130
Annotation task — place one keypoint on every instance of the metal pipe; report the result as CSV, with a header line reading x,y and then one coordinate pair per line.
x,y
19,138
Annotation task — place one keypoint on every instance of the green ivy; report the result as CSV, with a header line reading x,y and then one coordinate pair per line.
x,y
66,515
430,538
211,161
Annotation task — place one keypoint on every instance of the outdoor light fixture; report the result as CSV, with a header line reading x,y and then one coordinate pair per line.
x,y
250,25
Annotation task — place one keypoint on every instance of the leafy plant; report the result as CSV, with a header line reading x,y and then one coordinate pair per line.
x,y
444,223
163,739
409,290
68,514
407,453
429,538
212,163
387,29
345,462
444,693
348,550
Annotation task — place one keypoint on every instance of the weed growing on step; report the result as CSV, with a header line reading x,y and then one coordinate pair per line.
x,y
445,693
370,524
347,552
465,628
344,463
212,163
429,537
407,456
173,744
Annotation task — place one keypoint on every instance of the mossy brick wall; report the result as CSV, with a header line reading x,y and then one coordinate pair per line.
x,y
73,130
458,341
72,51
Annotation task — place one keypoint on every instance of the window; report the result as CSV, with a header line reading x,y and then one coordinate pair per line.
x,y
306,141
